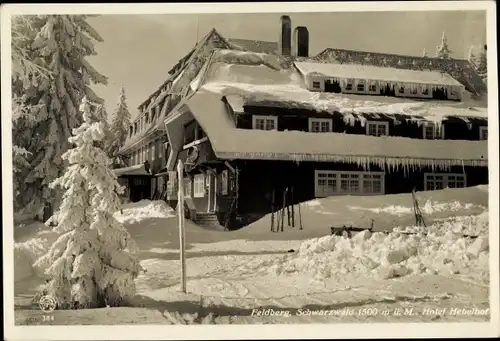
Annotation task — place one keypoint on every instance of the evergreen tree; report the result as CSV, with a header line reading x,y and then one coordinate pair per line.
x,y
92,262
471,56
481,64
60,44
99,113
120,126
443,51
424,53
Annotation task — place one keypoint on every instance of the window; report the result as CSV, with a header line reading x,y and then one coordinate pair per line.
x,y
131,131
187,187
147,118
328,183
199,185
348,86
483,133
402,90
320,125
316,85
433,131
153,114
160,149
372,88
413,90
135,128
153,151
436,181
377,128
361,87
224,182
265,122
425,91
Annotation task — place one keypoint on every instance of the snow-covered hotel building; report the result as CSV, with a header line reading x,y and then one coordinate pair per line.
x,y
251,118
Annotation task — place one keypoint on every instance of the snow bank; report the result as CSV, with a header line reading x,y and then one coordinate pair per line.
x,y
429,207
438,249
27,253
144,209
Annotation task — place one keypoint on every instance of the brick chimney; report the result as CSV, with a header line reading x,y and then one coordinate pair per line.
x,y
285,38
301,41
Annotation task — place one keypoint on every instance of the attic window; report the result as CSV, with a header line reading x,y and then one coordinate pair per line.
x,y
316,85
372,88
361,87
374,128
413,91
425,91
348,86
483,133
402,90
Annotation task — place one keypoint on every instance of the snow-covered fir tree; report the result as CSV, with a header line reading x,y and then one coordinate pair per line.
x,y
26,74
424,53
481,64
443,51
92,263
58,43
119,126
471,56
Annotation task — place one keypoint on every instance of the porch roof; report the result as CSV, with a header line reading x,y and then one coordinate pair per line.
x,y
229,142
132,170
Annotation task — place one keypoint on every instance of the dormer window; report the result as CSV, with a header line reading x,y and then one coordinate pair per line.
x,y
265,122
316,85
131,131
372,88
431,131
483,133
147,118
320,125
425,91
360,87
348,86
413,90
401,89
135,128
375,128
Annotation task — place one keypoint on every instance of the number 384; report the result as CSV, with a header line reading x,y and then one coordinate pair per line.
x,y
47,318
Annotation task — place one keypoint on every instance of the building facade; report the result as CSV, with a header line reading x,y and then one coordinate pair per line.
x,y
278,125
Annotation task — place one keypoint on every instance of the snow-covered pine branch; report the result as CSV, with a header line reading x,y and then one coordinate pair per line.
x,y
92,263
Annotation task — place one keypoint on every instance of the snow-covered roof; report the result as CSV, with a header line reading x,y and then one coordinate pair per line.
x,y
228,142
459,69
370,72
132,170
256,79
270,47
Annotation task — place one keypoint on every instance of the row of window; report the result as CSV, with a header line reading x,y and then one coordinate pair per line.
x,y
152,151
431,131
142,123
200,182
329,183
372,87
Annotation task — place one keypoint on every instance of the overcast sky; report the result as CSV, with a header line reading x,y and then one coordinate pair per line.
x,y
138,50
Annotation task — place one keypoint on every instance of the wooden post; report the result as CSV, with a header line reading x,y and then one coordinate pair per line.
x,y
293,207
182,232
283,210
272,210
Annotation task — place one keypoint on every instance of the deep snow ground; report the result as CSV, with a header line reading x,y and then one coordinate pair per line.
x,y
232,273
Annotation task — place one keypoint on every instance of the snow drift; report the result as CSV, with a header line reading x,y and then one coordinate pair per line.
x,y
144,209
442,248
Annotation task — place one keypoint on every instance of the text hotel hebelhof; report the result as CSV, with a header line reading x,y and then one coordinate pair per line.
x,y
371,312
